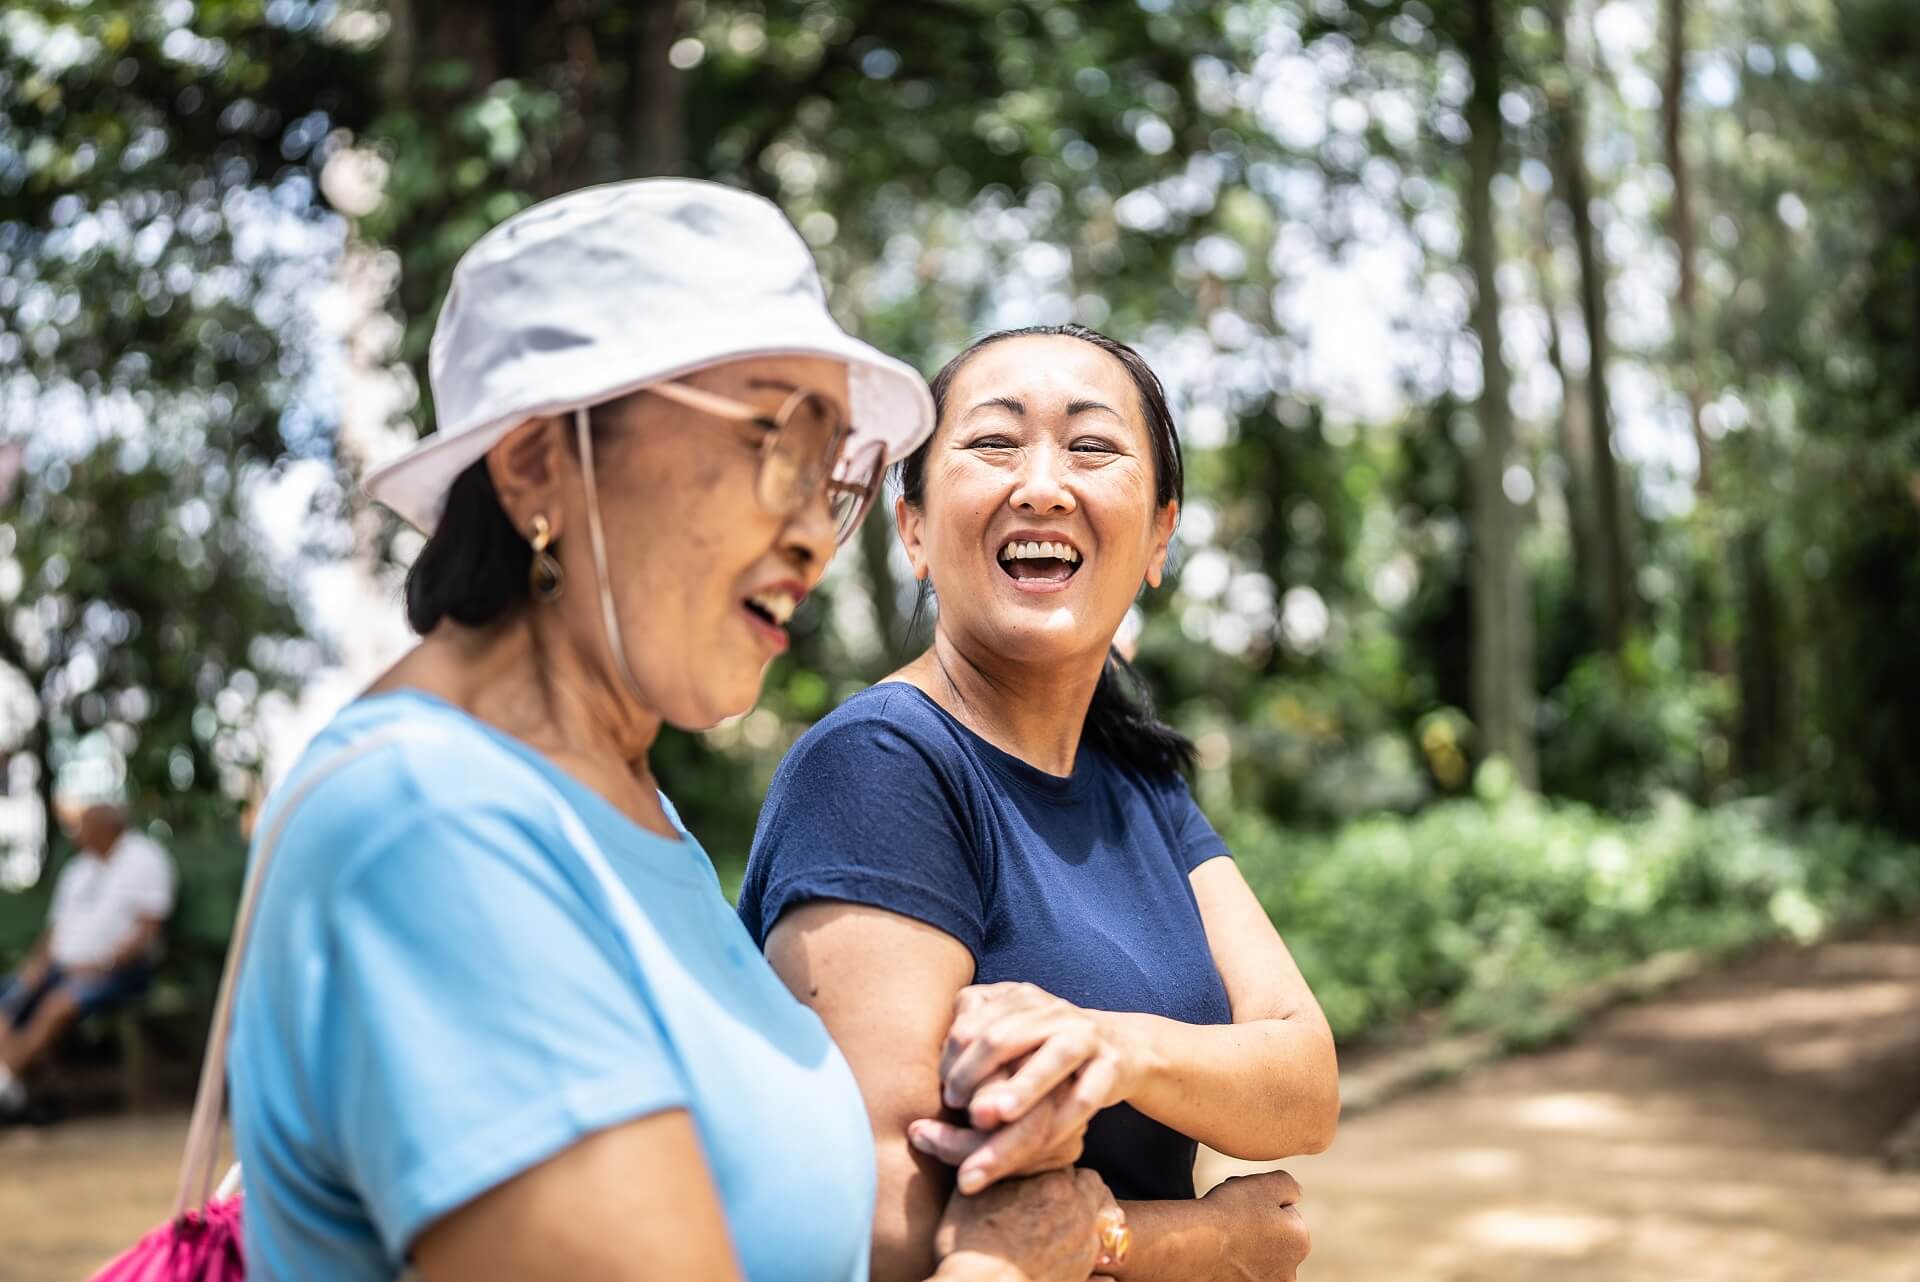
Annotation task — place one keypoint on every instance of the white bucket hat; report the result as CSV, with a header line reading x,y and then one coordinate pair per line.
x,y
590,296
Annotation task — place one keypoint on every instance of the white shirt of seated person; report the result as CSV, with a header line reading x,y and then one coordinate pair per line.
x,y
100,901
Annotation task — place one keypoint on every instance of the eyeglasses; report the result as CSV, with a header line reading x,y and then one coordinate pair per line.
x,y
802,448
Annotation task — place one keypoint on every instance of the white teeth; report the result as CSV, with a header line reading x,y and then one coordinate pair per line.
x,y
779,606
1019,551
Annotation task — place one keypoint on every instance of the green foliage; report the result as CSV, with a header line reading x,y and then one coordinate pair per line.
x,y
1483,911
1623,727
151,158
961,164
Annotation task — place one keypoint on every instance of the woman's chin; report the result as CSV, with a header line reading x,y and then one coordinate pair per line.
x,y
716,700
1057,641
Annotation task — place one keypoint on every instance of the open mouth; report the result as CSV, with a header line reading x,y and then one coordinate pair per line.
x,y
1038,562
775,606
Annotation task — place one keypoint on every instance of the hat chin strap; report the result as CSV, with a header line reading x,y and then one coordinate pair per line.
x,y
609,617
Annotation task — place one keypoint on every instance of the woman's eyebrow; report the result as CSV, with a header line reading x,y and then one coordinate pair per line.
x,y
1084,407
1012,404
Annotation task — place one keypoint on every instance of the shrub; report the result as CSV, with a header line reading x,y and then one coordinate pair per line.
x,y
1481,911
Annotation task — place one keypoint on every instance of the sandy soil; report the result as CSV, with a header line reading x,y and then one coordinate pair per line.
x,y
1727,1131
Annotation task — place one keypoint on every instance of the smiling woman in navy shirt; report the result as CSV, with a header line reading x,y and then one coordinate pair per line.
x,y
987,873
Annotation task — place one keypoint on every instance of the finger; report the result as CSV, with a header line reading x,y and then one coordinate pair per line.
x,y
974,994
1093,1090
974,1016
1008,1150
995,1047
999,1077
943,1140
1283,1188
1058,1059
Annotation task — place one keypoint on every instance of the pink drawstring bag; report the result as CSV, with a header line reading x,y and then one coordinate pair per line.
x,y
201,1241
198,1246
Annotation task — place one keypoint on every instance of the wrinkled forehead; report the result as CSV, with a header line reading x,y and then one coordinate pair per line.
x,y
1049,370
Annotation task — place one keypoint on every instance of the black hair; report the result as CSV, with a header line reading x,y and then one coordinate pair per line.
x,y
473,568
1120,720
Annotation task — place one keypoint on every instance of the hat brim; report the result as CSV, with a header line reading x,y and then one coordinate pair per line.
x,y
889,403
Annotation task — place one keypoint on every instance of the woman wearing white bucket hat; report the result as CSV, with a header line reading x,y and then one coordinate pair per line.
x,y
497,1020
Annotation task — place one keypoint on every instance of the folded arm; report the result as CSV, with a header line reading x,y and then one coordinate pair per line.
x,y
883,984
1262,1087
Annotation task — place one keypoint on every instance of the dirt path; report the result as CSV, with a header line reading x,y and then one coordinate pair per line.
x,y
1725,1133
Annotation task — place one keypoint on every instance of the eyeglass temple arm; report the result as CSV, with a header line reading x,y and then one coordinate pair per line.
x,y
708,402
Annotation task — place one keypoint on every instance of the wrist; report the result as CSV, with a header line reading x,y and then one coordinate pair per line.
x,y
976,1266
1131,1036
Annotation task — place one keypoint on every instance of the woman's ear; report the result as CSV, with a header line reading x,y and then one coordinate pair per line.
x,y
526,467
1163,527
909,520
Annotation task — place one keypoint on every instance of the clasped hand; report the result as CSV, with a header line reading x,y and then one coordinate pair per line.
x,y
1027,1071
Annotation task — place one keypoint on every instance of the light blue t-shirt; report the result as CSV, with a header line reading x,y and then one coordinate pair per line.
x,y
438,996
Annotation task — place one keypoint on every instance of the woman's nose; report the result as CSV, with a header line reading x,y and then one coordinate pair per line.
x,y
811,536
1042,486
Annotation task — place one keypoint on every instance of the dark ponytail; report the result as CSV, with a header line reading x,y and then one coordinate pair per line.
x,y
1120,720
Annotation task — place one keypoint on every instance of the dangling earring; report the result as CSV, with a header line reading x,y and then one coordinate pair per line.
x,y
544,578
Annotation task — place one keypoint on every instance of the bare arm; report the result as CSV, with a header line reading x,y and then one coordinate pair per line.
x,y
1263,1087
34,965
630,1202
139,940
1267,1085
884,986
1245,1229
635,1202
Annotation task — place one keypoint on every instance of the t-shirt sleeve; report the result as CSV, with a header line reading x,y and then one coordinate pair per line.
x,y
865,812
478,1008
1194,837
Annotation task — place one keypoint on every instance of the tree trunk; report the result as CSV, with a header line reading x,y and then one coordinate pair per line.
x,y
655,112
1764,717
40,744
876,546
1686,320
1502,612
1609,502
1576,437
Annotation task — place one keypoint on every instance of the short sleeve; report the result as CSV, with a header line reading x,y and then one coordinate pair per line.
x,y
1194,837
863,811
479,1007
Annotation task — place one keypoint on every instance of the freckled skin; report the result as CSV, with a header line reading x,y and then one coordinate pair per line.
x,y
687,540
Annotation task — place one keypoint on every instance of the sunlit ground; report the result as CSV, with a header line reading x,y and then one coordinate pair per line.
x,y
1726,1133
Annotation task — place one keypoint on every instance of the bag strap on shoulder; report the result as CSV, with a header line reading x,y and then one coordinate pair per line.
x,y
209,1102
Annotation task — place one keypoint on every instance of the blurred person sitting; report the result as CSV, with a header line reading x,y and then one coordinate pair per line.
x,y
98,950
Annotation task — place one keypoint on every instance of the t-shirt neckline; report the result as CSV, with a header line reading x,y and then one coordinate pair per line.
x,y
1024,775
573,790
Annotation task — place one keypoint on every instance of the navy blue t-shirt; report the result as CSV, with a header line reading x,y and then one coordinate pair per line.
x,y
1078,885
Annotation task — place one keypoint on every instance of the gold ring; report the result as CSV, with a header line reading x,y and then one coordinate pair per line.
x,y
1116,1239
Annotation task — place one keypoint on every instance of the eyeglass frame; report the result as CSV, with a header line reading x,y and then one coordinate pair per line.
x,y
726,407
